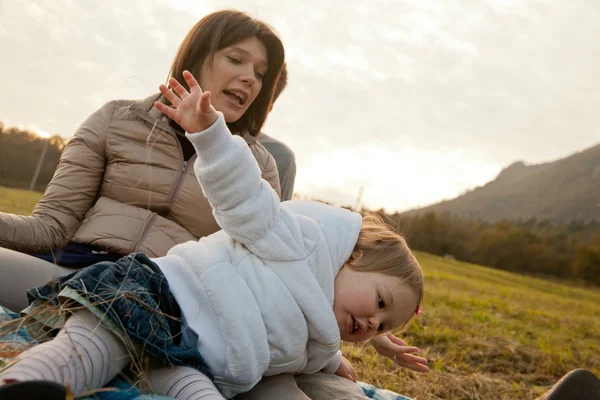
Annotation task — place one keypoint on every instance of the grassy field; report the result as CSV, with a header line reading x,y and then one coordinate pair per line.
x,y
17,201
488,334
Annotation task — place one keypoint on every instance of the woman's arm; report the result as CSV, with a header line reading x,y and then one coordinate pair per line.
x,y
69,194
268,166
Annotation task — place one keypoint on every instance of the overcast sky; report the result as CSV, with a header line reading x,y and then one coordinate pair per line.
x,y
414,100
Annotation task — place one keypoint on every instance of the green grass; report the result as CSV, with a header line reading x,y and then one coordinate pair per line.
x,y
17,201
491,334
488,334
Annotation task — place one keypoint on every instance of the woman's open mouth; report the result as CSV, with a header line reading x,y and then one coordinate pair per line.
x,y
236,97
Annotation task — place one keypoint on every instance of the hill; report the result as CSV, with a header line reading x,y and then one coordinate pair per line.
x,y
564,190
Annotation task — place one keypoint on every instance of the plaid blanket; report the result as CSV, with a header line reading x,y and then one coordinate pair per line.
x,y
123,389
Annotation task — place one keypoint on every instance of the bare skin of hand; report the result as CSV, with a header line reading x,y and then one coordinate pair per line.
x,y
345,370
389,346
192,110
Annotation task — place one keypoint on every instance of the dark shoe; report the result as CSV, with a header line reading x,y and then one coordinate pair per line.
x,y
34,390
579,384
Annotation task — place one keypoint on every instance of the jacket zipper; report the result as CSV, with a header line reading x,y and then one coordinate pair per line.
x,y
142,234
177,186
167,209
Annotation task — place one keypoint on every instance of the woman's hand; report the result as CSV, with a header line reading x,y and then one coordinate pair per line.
x,y
345,370
399,351
192,110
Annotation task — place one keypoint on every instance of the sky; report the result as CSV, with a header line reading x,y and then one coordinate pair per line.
x,y
414,101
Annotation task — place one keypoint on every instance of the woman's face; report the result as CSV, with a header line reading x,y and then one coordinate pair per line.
x,y
235,77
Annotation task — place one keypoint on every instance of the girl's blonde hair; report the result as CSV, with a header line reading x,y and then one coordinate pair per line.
x,y
380,249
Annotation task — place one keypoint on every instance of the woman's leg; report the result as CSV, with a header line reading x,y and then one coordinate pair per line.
x,y
319,386
19,272
276,387
322,386
579,384
183,383
84,355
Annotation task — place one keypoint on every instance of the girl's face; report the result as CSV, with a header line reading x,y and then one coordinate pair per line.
x,y
235,77
369,303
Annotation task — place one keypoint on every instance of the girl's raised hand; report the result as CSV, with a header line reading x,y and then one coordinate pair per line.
x,y
192,110
399,351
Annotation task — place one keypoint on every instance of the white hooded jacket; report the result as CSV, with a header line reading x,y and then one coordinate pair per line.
x,y
259,294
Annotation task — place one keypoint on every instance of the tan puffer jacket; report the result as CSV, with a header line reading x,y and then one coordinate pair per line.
x,y
122,185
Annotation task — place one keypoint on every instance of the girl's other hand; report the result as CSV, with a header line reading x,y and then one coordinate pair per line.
x,y
192,110
399,351
345,370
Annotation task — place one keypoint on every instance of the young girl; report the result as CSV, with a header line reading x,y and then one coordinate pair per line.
x,y
273,292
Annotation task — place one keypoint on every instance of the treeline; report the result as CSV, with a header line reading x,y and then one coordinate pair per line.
x,y
20,153
533,247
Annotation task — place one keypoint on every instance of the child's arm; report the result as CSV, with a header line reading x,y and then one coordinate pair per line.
x,y
346,370
244,205
334,363
340,366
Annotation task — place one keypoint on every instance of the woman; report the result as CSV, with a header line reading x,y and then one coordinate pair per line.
x,y
125,183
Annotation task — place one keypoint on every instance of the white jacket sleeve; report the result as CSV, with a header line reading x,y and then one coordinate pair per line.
x,y
244,205
334,363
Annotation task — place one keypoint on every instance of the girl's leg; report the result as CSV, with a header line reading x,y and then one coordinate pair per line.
x,y
19,272
183,383
84,355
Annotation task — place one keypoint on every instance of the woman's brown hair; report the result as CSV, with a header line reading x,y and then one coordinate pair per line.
x,y
223,29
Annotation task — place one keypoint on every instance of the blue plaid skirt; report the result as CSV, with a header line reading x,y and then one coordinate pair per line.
x,y
134,295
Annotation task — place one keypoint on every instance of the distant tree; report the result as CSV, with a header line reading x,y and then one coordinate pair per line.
x,y
566,250
20,153
587,262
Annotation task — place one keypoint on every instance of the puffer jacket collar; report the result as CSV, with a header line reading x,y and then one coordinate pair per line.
x,y
145,110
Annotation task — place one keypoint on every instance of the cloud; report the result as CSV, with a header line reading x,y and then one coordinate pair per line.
x,y
392,178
